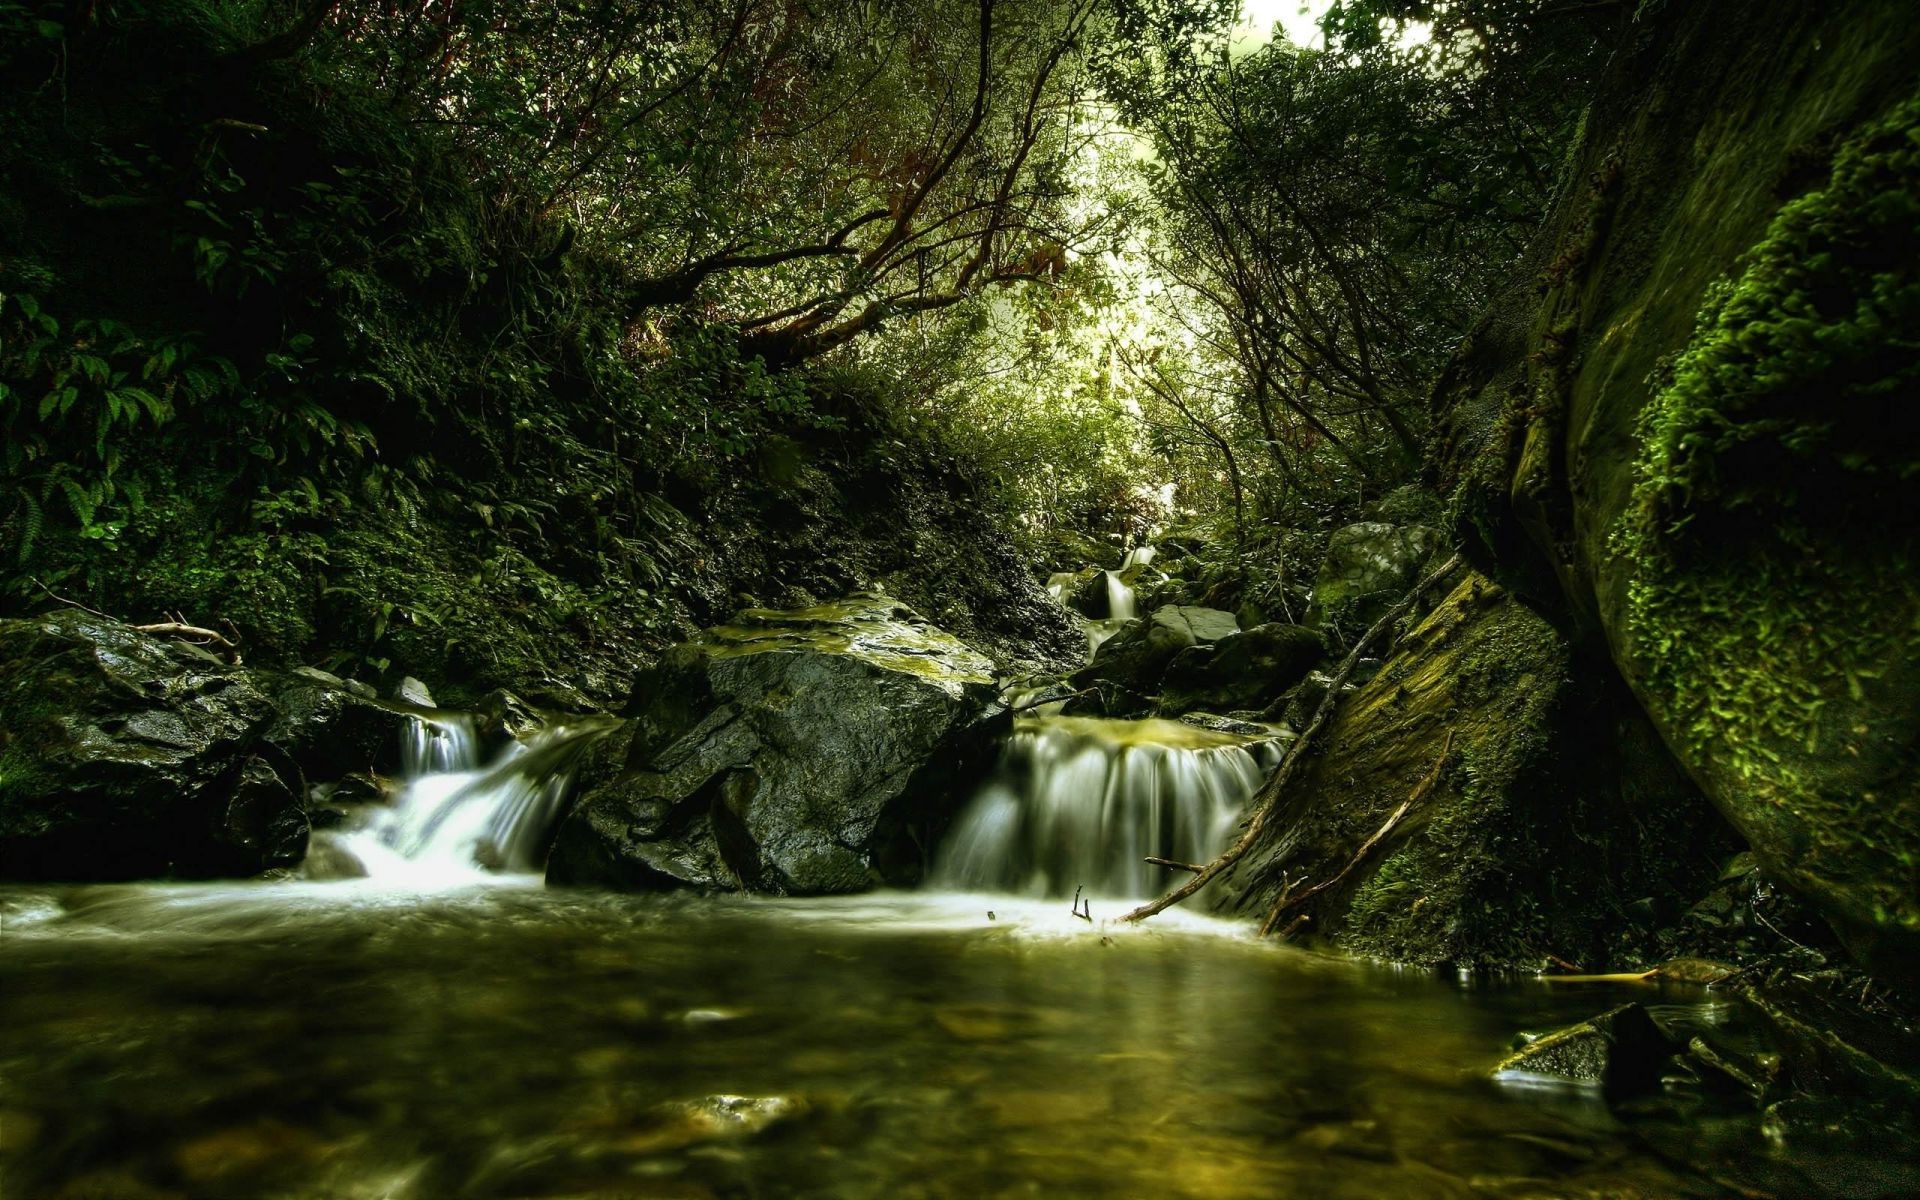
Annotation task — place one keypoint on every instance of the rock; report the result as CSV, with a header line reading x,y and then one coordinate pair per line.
x,y
1128,667
1496,860
1245,672
804,752
1091,593
1834,1047
1749,1075
1199,626
412,691
1622,1051
1367,569
1718,487
1238,728
687,1123
502,716
126,756
331,731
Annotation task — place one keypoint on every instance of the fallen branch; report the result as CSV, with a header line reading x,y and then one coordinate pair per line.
x,y
1615,977
1171,865
1085,914
1267,799
177,627
198,635
1367,847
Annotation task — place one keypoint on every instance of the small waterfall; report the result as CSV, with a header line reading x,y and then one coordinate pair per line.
x,y
456,819
1082,801
1121,604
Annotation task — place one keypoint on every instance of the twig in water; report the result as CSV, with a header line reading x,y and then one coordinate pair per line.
x,y
1085,914
1267,799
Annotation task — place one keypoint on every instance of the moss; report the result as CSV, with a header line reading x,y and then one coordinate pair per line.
x,y
1784,419
1774,531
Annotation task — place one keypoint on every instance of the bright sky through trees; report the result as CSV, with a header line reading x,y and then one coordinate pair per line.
x,y
1300,19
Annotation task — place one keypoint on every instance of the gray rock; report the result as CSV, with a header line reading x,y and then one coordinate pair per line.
x,y
1250,671
804,752
1367,569
412,691
1129,666
125,755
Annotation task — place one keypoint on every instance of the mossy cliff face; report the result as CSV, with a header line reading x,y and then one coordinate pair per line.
x,y
1531,832
1694,423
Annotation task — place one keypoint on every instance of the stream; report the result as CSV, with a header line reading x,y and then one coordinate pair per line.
x,y
437,1030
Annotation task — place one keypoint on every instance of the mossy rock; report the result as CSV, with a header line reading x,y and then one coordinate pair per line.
x,y
801,752
1687,430
1530,835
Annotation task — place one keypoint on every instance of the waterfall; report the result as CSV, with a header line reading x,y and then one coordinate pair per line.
x,y
1079,801
1121,606
455,818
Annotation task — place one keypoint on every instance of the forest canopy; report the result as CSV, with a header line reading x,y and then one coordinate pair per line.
x,y
1133,265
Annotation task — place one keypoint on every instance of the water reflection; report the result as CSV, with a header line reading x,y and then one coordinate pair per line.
x,y
338,1040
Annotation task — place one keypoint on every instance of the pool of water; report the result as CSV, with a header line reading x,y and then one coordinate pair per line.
x,y
307,1040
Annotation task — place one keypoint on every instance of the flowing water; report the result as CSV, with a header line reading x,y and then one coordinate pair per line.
x,y
437,1031
1080,802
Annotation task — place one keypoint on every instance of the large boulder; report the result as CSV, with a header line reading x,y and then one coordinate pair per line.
x,y
1690,418
331,730
1239,673
1368,567
1524,828
805,752
1127,669
124,755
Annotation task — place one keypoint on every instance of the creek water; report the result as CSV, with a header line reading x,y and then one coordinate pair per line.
x,y
435,1030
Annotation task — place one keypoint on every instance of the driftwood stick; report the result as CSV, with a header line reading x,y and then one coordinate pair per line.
x,y
176,626
1172,865
1268,797
1367,847
179,629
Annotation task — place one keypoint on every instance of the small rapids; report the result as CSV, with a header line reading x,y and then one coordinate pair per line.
x,y
1082,802
456,819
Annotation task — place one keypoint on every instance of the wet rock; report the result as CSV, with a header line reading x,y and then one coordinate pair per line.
x,y
1245,672
803,752
412,691
126,755
331,731
502,716
1368,568
686,1123
1091,593
1750,1075
327,858
1832,1046
1622,1051
1129,666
